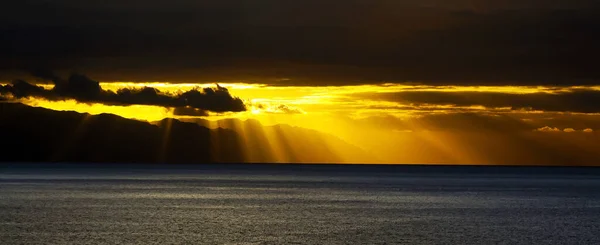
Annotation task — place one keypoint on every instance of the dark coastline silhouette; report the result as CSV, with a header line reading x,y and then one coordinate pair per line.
x,y
32,134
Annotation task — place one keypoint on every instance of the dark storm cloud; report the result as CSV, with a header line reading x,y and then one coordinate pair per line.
x,y
308,42
578,100
20,89
84,89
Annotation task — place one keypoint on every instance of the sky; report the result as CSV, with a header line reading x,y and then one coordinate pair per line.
x,y
430,81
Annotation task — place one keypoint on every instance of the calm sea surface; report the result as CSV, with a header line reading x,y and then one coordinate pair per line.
x,y
262,204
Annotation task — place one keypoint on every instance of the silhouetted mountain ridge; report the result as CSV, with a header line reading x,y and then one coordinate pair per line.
x,y
34,134
293,140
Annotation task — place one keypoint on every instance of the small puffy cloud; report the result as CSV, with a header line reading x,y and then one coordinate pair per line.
x,y
548,129
569,130
288,109
278,109
189,111
588,130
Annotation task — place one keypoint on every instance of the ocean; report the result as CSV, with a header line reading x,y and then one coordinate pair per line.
x,y
297,204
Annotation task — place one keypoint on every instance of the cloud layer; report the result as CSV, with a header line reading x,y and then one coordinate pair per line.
x,y
576,100
84,89
308,42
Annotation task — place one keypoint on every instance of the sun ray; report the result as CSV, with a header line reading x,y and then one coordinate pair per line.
x,y
166,125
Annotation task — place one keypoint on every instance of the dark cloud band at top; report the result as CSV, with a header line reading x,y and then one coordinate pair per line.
x,y
84,89
309,42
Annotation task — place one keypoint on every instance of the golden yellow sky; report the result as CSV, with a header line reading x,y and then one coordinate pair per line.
x,y
301,102
381,118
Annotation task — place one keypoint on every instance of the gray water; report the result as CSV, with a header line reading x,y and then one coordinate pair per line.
x,y
282,205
